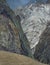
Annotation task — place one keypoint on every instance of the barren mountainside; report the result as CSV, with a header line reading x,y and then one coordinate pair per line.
x,y
34,19
7,58
24,31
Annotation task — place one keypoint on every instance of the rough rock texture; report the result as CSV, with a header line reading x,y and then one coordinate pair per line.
x,y
9,38
12,39
33,21
42,52
48,1
7,58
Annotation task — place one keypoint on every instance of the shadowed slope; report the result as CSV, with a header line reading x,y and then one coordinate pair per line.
x,y
4,9
42,51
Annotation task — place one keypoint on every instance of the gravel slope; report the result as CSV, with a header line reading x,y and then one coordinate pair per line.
x,y
7,58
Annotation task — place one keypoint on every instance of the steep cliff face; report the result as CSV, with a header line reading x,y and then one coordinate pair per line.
x,y
9,38
33,21
36,25
12,38
42,52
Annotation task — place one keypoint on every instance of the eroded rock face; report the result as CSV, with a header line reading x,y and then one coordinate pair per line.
x,y
15,34
9,38
42,52
33,21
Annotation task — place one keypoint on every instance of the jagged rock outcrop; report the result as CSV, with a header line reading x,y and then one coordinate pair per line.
x,y
12,36
33,21
42,52
9,38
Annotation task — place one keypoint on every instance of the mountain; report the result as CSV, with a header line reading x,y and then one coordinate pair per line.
x,y
9,39
16,3
29,21
7,58
42,52
33,21
12,37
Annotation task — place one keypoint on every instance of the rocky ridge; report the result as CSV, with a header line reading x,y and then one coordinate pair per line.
x,y
14,40
33,21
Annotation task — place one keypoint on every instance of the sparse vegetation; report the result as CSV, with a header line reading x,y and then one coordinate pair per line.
x,y
7,58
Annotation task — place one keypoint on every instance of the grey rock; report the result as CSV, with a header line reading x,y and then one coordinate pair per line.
x,y
8,38
11,32
42,52
33,21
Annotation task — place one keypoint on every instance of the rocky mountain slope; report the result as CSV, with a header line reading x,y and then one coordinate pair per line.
x,y
9,38
12,37
42,52
7,58
33,21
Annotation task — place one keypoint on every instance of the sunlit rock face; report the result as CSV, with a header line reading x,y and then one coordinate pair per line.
x,y
9,38
33,21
